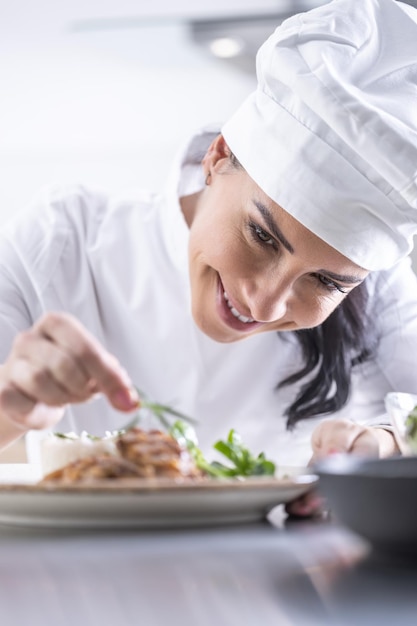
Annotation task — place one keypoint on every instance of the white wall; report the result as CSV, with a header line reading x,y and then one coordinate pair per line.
x,y
105,108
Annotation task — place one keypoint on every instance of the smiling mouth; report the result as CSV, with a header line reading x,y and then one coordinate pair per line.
x,y
235,312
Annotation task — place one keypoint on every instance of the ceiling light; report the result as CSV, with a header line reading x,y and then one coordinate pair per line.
x,y
226,47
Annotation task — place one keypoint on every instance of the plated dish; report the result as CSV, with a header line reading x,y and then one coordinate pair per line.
x,y
148,479
145,503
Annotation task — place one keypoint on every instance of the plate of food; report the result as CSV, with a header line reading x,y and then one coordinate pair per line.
x,y
137,478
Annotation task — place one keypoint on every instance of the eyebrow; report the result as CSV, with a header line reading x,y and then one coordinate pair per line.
x,y
272,225
342,278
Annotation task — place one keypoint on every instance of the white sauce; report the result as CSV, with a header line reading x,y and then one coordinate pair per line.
x,y
57,451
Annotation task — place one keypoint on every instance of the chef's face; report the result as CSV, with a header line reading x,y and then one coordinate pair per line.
x,y
253,267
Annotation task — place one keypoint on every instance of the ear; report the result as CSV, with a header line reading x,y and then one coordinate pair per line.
x,y
217,151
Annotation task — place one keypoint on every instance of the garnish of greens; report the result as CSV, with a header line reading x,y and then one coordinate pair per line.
x,y
240,461
411,427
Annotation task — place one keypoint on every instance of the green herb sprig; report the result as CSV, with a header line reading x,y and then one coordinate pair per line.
x,y
160,411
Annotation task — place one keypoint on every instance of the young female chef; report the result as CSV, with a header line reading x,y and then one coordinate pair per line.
x,y
268,289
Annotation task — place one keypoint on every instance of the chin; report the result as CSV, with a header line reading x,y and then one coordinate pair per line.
x,y
223,338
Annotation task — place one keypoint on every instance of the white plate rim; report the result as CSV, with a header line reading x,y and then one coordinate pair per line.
x,y
142,503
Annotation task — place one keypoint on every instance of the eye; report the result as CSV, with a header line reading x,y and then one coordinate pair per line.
x,y
329,284
260,235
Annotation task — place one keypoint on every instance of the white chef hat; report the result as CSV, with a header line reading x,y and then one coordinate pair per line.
x,y
330,134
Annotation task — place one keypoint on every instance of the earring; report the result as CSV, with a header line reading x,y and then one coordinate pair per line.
x,y
207,181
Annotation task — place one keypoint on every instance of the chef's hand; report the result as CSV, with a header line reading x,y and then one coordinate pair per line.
x,y
54,363
342,436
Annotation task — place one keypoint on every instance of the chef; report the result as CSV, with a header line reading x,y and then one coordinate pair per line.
x,y
268,288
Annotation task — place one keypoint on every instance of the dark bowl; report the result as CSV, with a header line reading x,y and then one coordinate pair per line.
x,y
377,499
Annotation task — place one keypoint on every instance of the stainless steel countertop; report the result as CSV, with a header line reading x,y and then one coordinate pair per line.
x,y
287,574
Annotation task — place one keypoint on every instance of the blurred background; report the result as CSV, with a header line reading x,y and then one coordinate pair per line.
x,y
104,92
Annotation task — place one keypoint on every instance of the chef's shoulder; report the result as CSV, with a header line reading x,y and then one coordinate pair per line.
x,y
392,297
398,283
59,211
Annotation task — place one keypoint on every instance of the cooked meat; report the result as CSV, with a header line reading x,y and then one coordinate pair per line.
x,y
140,454
155,453
93,467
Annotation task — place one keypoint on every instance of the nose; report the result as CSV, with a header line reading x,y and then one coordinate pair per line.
x,y
268,303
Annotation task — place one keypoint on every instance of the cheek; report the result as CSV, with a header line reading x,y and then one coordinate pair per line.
x,y
224,252
316,310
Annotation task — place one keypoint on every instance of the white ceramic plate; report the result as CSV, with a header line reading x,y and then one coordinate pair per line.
x,y
133,503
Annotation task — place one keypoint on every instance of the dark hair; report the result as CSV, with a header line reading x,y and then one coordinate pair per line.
x,y
332,350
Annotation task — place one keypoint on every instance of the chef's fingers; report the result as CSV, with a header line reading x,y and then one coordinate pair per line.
x,y
58,362
39,365
310,504
343,436
24,413
103,370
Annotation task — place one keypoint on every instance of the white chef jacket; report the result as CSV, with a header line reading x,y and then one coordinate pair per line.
x,y
120,266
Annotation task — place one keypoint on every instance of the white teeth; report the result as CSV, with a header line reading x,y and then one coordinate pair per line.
x,y
235,312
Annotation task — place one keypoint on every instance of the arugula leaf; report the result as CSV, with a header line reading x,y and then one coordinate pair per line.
x,y
243,463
